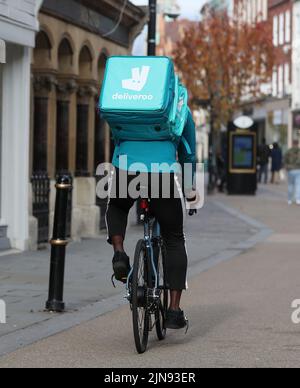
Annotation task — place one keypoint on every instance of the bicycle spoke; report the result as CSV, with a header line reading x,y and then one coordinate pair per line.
x,y
141,324
163,302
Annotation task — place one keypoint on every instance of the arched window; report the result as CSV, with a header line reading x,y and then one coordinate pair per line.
x,y
85,63
101,66
83,116
65,56
42,51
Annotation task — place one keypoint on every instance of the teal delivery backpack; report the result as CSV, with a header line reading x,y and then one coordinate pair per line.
x,y
142,99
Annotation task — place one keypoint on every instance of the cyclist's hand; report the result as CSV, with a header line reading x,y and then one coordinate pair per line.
x,y
192,202
191,196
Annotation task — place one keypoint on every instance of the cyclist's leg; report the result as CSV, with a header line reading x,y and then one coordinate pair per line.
x,y
169,213
116,220
117,214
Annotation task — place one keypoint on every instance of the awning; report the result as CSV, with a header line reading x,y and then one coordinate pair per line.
x,y
2,51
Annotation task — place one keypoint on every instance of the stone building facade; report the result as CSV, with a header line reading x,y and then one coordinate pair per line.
x,y
67,134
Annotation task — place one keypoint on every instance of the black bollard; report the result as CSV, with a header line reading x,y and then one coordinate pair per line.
x,y
58,245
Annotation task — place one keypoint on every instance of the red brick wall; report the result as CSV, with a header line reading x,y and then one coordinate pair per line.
x,y
277,8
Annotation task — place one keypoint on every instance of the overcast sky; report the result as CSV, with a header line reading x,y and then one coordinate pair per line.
x,y
189,8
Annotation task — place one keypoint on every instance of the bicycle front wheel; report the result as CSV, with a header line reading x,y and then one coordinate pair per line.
x,y
140,312
160,315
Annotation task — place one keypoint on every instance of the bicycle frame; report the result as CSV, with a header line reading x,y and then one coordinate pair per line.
x,y
148,238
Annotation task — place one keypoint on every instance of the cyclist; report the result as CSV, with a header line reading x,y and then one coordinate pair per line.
x,y
170,212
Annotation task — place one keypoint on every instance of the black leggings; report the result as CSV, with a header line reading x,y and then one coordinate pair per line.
x,y
170,215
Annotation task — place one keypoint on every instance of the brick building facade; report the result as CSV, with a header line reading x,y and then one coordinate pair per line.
x,y
296,69
273,112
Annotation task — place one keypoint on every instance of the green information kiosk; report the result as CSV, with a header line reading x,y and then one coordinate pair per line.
x,y
242,158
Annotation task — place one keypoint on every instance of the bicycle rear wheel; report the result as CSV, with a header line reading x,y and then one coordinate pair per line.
x,y
140,312
160,315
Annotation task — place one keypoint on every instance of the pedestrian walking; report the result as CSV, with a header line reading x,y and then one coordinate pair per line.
x,y
292,164
264,154
276,155
221,169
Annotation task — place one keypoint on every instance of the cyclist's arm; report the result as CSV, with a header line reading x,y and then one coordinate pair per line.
x,y
187,152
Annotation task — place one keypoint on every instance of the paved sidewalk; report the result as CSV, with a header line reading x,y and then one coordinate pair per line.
x,y
240,310
212,237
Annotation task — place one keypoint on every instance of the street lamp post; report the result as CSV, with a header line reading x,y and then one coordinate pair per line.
x,y
152,28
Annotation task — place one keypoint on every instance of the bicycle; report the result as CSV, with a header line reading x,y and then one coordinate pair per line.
x,y
146,286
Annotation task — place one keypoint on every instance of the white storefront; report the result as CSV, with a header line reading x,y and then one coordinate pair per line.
x,y
18,26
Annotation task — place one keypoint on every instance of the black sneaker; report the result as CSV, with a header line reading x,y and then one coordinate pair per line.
x,y
121,266
176,320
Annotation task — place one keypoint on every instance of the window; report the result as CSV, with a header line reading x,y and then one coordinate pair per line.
x,y
275,31
82,140
296,95
245,11
297,26
265,9
281,29
280,81
275,84
62,136
254,10
287,78
259,10
249,12
288,26
298,77
40,128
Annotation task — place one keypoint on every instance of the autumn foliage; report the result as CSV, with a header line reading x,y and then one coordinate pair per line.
x,y
223,62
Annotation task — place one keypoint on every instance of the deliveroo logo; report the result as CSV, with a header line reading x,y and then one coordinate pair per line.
x,y
138,80
136,83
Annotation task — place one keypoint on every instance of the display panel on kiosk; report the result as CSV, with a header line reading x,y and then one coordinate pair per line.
x,y
242,158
